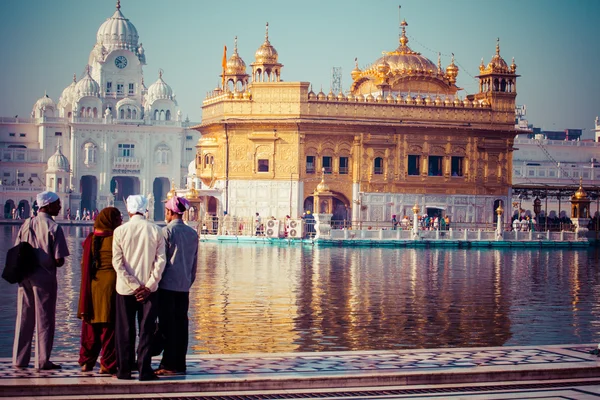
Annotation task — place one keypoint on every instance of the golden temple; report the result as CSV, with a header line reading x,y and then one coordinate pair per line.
x,y
400,136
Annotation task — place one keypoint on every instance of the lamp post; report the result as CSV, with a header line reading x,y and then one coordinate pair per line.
x,y
499,211
416,210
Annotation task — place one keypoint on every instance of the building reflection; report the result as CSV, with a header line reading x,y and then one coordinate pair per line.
x,y
270,298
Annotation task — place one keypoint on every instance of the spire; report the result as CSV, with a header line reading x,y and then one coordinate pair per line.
x,y
439,61
235,46
267,33
118,4
497,46
74,77
160,73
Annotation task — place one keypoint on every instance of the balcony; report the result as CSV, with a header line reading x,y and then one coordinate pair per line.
x,y
126,165
21,155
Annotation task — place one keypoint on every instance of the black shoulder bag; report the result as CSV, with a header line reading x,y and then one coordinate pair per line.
x,y
20,260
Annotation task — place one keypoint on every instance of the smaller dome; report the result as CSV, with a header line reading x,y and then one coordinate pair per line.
x,y
266,53
322,186
330,95
160,90
44,103
457,102
247,95
341,96
427,100
356,71
452,71
369,98
379,98
390,98
68,94
58,162
126,102
466,102
311,94
87,86
321,95
192,168
235,65
580,194
438,100
117,32
172,192
447,101
351,97
383,67
360,98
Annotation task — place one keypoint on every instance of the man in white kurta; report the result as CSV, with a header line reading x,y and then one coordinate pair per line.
x,y
139,260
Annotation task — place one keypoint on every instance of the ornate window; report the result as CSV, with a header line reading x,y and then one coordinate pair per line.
x,y
435,166
378,166
343,165
310,164
90,153
414,164
457,166
126,149
327,164
162,154
263,165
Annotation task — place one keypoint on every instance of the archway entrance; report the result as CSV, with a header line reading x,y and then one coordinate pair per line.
x,y
124,186
89,192
160,188
8,206
341,210
23,210
435,211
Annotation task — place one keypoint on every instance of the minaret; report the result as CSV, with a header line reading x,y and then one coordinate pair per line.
x,y
498,82
266,67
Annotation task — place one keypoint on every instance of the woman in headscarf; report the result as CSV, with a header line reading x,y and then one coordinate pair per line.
x,y
97,295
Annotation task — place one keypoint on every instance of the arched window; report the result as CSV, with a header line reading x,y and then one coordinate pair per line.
x,y
162,154
156,115
208,160
90,154
378,166
168,115
122,113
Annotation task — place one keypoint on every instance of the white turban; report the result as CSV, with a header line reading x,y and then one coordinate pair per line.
x,y
137,204
45,198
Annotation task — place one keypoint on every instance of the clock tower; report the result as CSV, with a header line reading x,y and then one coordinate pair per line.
x,y
116,63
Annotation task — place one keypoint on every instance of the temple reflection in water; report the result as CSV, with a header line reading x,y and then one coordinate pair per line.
x,y
269,298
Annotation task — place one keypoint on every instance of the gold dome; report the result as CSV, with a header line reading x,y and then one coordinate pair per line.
x,y
452,71
497,64
404,60
322,186
171,192
266,53
580,194
235,65
356,71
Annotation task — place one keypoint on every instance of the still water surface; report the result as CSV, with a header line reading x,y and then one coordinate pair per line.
x,y
281,298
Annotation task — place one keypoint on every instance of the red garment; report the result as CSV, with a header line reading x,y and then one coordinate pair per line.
x,y
96,338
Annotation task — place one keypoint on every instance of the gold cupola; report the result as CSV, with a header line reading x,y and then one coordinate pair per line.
x,y
171,192
266,67
401,71
235,76
452,71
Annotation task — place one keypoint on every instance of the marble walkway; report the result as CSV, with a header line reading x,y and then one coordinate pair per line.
x,y
345,374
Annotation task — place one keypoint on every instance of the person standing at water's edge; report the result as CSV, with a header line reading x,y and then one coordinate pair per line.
x,y
97,295
36,302
139,259
181,243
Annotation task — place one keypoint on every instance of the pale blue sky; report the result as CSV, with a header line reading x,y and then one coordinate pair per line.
x,y
555,45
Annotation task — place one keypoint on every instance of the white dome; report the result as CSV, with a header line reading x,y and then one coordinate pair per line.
x,y
159,90
192,168
45,101
117,32
126,102
58,162
68,95
87,86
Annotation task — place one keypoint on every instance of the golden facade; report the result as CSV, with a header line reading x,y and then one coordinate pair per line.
x,y
400,136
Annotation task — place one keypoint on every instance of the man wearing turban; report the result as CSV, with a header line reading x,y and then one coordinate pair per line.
x,y
36,301
181,243
139,260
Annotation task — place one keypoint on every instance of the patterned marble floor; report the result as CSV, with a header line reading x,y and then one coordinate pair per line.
x,y
347,362
291,367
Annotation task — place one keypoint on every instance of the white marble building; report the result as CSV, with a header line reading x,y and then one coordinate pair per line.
x,y
107,136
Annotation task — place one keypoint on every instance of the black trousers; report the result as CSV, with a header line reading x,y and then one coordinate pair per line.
x,y
174,325
127,310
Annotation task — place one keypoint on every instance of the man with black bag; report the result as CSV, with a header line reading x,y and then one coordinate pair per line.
x,y
36,301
